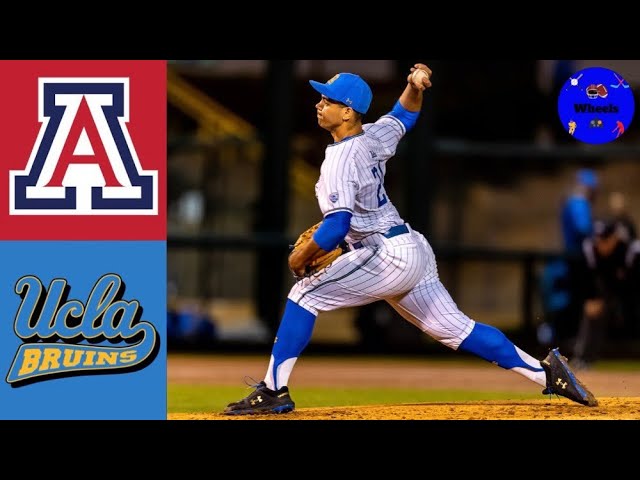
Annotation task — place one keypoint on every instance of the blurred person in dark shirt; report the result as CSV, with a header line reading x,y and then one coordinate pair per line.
x,y
624,223
606,279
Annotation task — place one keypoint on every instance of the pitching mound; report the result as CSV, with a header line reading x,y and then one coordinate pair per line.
x,y
609,408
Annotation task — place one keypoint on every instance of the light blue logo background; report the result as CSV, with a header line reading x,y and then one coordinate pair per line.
x,y
138,394
596,105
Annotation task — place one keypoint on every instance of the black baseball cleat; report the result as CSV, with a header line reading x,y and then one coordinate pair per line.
x,y
262,400
562,381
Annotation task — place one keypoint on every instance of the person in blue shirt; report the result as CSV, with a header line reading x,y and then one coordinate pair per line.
x,y
562,312
577,214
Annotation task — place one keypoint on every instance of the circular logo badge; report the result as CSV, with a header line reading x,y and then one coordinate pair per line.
x,y
596,105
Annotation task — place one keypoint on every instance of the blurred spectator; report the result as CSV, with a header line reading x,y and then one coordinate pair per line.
x,y
624,223
607,280
577,216
189,325
562,311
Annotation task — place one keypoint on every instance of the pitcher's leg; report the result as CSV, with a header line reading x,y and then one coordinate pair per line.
x,y
430,307
357,278
353,279
294,333
272,395
491,344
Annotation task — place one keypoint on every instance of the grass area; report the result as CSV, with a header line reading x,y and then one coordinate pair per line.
x,y
455,359
617,366
201,398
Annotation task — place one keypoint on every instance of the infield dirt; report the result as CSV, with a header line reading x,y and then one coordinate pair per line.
x,y
618,393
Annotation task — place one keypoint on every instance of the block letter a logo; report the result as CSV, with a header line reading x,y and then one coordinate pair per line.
x,y
83,161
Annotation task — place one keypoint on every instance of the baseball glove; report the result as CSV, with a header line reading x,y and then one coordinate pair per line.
x,y
321,260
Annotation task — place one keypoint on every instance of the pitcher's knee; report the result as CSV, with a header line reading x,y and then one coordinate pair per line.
x,y
452,333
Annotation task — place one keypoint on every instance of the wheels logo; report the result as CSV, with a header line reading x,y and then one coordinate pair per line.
x,y
596,105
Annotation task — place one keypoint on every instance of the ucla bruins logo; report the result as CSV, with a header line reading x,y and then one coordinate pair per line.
x,y
61,336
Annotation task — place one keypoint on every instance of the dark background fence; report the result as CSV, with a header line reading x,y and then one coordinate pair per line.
x,y
476,150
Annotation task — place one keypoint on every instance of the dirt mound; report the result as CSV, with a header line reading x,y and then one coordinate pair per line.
x,y
609,408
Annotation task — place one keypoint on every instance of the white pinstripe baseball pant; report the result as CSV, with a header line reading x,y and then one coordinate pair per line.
x,y
401,270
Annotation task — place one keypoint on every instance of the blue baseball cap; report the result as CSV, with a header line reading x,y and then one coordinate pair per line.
x,y
346,88
588,178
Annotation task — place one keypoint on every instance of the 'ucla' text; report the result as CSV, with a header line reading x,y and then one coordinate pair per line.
x,y
53,327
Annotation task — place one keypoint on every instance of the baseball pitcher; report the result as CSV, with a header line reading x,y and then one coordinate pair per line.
x,y
386,258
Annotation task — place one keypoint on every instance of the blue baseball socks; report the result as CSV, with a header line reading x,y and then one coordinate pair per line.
x,y
485,341
294,333
491,344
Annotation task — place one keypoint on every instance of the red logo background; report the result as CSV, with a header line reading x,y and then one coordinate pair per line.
x,y
19,127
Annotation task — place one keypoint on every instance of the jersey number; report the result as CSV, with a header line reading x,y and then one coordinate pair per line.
x,y
381,199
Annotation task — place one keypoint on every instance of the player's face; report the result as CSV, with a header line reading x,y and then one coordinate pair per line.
x,y
329,113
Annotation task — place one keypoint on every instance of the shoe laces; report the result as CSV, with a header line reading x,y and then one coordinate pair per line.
x,y
251,382
552,392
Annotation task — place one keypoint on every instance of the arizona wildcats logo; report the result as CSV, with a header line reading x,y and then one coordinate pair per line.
x,y
83,161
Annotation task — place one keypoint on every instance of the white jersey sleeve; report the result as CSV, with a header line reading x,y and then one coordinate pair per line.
x,y
336,190
389,131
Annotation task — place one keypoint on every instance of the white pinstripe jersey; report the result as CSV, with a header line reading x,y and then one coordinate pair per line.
x,y
352,178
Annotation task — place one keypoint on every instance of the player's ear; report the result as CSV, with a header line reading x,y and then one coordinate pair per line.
x,y
347,114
